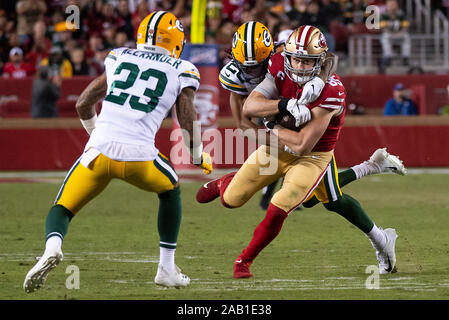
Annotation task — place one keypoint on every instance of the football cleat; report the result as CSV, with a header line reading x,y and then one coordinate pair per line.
x,y
387,257
241,268
211,190
386,162
208,192
36,277
171,279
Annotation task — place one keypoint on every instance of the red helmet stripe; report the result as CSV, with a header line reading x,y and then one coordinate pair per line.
x,y
306,40
298,40
303,36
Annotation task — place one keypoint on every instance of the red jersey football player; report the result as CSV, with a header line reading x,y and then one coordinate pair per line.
x,y
17,68
303,157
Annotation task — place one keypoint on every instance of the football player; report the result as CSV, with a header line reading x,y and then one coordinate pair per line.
x,y
139,88
252,47
306,161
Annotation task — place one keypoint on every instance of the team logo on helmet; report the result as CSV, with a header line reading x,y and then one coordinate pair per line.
x,y
322,41
266,38
178,25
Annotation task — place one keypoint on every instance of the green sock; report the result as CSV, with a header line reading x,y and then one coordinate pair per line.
x,y
57,222
169,217
346,177
350,209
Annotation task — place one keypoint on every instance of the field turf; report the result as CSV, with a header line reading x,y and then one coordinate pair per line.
x,y
318,255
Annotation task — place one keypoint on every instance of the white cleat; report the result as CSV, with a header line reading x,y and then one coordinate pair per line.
x,y
174,279
387,257
36,277
386,162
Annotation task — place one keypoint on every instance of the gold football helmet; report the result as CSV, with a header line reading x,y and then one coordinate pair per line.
x,y
161,32
305,42
252,46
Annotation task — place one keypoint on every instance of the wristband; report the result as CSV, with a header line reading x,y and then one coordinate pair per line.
x,y
89,124
282,106
197,154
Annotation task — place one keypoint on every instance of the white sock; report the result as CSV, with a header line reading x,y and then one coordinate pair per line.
x,y
53,244
364,169
167,258
377,238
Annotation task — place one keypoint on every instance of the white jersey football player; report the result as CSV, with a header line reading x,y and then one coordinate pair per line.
x,y
139,87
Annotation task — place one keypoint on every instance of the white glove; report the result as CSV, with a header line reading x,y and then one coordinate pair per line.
x,y
311,90
299,111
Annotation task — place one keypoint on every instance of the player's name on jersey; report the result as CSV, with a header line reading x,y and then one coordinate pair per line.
x,y
154,56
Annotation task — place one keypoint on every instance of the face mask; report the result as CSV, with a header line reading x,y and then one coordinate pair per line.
x,y
256,71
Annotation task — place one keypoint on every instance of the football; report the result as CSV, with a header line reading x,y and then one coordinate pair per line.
x,y
287,121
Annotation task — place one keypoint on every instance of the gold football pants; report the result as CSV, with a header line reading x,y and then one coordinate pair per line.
x,y
301,175
83,184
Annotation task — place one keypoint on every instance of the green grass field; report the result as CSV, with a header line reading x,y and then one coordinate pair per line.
x,y
318,255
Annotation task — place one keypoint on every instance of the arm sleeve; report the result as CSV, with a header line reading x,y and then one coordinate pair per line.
x,y
268,87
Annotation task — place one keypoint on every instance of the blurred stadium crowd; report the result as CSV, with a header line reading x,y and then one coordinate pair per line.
x,y
34,32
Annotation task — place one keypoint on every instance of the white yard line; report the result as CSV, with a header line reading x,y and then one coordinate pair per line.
x,y
329,284
220,285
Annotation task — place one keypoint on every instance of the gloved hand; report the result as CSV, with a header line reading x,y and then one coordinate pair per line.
x,y
299,111
311,91
205,163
